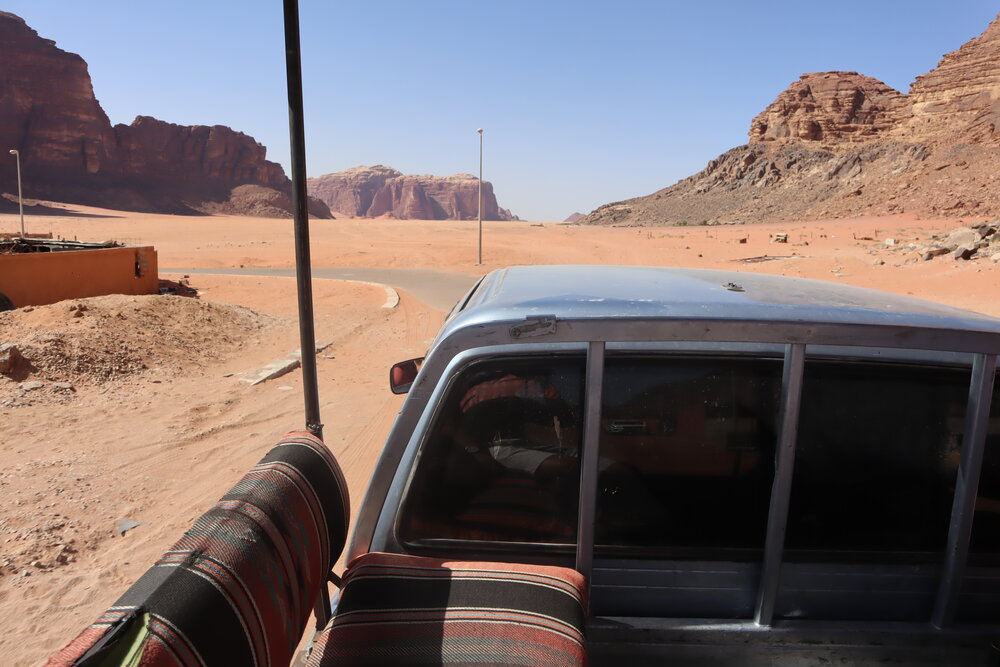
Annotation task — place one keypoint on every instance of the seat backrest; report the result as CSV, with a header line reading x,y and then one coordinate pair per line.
x,y
398,609
238,588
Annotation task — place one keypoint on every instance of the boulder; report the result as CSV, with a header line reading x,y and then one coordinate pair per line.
x,y
930,252
962,237
10,358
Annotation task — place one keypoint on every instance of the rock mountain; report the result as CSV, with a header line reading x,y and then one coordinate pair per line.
x,y
379,191
837,144
71,152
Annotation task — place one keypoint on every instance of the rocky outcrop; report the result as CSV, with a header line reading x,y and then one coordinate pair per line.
x,y
837,144
47,106
380,191
192,153
70,152
979,241
959,100
263,202
350,193
830,108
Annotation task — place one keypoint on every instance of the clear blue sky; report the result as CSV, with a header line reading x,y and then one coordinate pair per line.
x,y
583,102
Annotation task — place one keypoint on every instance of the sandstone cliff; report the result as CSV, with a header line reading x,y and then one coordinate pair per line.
x,y
379,191
70,152
838,144
830,108
47,105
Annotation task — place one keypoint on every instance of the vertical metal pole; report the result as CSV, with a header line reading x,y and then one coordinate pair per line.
x,y
479,247
303,268
20,199
781,489
588,464
977,415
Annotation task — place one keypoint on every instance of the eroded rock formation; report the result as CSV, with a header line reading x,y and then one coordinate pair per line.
x,y
830,108
47,104
380,191
187,153
836,144
70,152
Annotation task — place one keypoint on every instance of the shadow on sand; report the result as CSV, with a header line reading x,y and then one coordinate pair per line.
x,y
33,207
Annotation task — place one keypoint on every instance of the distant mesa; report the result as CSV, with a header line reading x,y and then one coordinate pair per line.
x,y
574,217
70,152
839,144
383,192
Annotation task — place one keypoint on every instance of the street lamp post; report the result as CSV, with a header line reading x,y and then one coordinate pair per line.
x,y
479,252
20,199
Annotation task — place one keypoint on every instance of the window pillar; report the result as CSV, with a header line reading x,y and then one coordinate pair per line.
x,y
774,540
977,415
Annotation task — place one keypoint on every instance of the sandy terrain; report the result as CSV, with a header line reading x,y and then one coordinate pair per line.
x,y
825,250
159,444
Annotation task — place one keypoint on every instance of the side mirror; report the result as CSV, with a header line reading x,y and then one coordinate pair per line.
x,y
402,375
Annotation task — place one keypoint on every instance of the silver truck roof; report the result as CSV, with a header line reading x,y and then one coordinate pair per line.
x,y
630,292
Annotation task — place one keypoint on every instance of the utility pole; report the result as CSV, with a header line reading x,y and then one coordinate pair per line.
x,y
20,199
479,253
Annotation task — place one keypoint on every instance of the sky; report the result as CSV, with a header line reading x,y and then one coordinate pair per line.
x,y
582,103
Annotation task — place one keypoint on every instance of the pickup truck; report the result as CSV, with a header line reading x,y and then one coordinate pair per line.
x,y
788,469
628,465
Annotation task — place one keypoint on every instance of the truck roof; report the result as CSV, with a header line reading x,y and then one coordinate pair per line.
x,y
661,293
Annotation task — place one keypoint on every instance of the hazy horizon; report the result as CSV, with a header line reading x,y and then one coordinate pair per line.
x,y
581,105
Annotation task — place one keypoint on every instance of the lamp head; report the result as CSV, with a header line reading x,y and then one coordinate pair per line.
x,y
14,152
480,130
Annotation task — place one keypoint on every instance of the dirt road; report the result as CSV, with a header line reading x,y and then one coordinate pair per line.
x,y
438,289
161,445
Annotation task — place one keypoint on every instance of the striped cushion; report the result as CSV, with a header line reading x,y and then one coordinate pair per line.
x,y
238,588
405,610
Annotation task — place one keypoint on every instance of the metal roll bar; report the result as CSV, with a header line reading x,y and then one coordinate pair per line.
x,y
300,206
303,262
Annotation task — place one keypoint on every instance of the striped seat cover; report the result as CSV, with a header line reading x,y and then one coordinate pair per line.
x,y
238,588
406,610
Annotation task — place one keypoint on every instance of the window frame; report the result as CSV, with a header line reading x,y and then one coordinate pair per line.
x,y
930,349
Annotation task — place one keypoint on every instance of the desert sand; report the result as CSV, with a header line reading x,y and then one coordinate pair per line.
x,y
159,444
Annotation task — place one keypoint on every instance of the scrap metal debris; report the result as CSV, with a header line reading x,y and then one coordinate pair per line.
x,y
125,525
765,258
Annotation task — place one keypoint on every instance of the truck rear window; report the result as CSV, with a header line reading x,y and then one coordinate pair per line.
x,y
688,450
875,464
501,463
687,459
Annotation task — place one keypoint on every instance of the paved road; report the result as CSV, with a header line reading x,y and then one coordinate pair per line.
x,y
438,289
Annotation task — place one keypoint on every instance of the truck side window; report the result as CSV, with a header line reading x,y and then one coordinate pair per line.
x,y
501,462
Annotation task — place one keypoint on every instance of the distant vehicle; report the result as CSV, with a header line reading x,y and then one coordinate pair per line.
x,y
802,470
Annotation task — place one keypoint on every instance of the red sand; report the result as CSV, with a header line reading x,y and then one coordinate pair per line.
x,y
162,449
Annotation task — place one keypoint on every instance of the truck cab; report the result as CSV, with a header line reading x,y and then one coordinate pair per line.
x,y
794,470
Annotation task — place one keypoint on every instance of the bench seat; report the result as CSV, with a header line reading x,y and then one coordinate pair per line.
x,y
239,587
405,610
